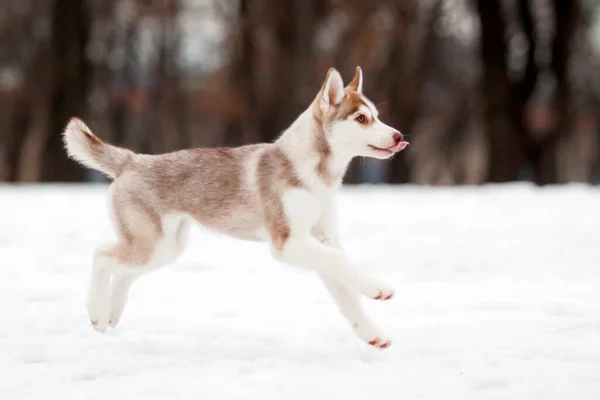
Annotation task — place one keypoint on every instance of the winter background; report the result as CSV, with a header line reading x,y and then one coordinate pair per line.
x,y
488,225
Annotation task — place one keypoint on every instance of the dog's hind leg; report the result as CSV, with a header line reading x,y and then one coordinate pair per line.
x,y
99,291
120,285
167,250
139,228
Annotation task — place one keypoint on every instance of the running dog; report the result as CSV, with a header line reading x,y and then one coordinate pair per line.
x,y
281,192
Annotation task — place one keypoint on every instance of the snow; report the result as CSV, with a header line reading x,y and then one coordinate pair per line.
x,y
498,297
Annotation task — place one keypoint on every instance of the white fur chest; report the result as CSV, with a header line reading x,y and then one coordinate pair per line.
x,y
304,208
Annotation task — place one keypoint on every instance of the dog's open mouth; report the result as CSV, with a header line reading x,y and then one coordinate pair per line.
x,y
390,150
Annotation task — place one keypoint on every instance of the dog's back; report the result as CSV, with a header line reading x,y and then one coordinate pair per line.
x,y
226,189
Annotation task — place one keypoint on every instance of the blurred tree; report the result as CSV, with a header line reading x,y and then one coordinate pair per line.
x,y
274,50
406,70
503,138
169,120
243,126
512,143
70,68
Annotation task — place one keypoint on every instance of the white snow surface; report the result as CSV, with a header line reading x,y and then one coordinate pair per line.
x,y
498,297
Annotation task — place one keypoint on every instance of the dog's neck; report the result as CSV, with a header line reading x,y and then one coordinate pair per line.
x,y
315,160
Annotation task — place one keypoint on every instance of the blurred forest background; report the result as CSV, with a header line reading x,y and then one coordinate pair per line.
x,y
486,90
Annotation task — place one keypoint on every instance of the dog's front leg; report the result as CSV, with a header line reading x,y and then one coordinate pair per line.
x,y
326,231
306,251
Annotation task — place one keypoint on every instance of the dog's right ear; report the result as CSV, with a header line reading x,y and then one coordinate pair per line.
x,y
357,82
332,91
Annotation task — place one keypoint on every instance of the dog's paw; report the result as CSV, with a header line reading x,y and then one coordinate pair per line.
x,y
376,290
114,317
380,343
370,333
98,318
100,326
384,294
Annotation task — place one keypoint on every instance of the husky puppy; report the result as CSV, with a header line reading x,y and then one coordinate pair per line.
x,y
281,192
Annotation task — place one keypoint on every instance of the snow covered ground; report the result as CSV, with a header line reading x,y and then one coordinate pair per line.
x,y
498,297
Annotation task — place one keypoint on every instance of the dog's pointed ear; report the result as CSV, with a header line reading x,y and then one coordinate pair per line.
x,y
332,91
357,82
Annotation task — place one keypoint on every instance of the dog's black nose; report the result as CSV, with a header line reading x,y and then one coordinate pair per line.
x,y
397,137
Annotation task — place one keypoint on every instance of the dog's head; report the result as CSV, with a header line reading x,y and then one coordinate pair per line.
x,y
350,120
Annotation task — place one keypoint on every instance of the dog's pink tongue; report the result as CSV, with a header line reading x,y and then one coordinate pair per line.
x,y
398,147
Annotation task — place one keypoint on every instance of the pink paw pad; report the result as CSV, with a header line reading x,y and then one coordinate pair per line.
x,y
377,343
380,296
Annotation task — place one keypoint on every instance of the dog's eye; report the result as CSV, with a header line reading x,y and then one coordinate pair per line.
x,y
361,119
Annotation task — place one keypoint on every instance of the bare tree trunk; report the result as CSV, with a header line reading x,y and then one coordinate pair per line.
x,y
407,70
242,128
294,26
16,133
23,130
70,71
28,157
544,156
170,131
504,154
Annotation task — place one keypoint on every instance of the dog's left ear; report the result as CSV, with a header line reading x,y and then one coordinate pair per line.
x,y
357,82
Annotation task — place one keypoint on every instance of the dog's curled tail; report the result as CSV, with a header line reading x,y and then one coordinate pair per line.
x,y
86,148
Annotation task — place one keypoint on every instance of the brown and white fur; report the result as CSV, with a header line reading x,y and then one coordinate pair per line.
x,y
280,192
